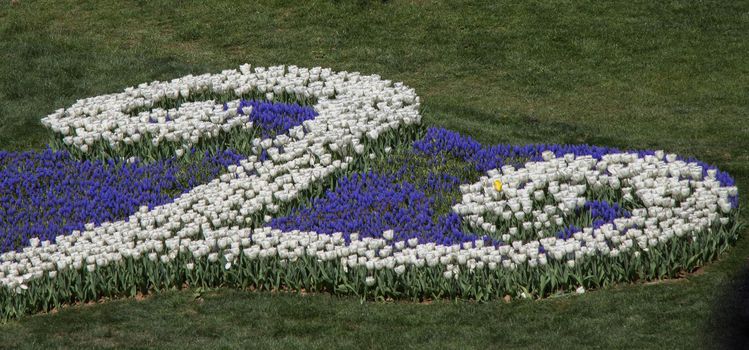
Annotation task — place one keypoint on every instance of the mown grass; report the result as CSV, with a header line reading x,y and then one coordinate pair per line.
x,y
633,74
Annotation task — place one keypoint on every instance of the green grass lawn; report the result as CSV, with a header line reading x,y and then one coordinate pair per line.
x,y
638,74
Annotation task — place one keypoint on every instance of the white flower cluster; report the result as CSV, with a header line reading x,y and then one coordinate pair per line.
x,y
110,118
672,197
204,218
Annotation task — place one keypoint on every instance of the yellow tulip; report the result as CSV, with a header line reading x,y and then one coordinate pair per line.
x,y
498,185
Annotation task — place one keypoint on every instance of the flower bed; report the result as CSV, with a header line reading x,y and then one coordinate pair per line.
x,y
341,199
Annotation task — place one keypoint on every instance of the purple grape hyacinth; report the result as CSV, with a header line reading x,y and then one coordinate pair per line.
x,y
45,194
370,203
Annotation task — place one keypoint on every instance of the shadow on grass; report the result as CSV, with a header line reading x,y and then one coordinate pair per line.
x,y
729,323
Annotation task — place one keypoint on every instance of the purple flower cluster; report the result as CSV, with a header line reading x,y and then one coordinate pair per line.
x,y
567,232
601,213
45,194
442,141
275,118
441,182
604,212
370,203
